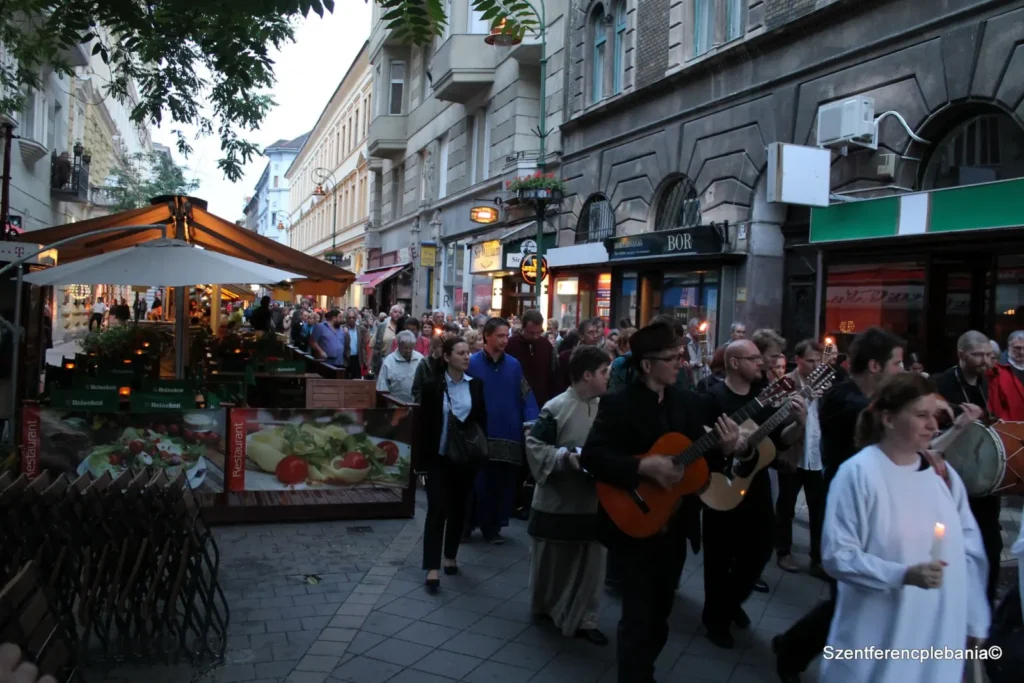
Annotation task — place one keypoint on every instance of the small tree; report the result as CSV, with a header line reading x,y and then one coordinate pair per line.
x,y
142,176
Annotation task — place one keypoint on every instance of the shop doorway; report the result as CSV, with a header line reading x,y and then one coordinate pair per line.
x,y
959,299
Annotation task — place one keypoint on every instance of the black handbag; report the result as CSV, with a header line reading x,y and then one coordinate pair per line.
x,y
467,443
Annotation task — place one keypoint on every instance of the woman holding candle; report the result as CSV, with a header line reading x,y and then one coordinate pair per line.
x,y
900,539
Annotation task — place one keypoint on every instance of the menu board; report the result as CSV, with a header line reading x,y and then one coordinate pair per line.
x,y
75,442
304,449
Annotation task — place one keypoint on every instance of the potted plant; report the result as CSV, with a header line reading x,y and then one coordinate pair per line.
x,y
537,187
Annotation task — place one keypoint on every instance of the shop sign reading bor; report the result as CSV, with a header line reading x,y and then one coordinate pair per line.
x,y
685,242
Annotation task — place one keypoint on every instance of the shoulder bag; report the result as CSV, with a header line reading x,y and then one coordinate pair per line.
x,y
467,443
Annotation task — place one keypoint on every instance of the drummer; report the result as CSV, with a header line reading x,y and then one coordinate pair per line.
x,y
965,388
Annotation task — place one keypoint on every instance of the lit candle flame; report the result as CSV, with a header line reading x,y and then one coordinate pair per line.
x,y
829,341
940,530
940,535
703,327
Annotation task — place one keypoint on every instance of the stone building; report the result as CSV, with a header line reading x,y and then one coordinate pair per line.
x,y
452,122
671,105
328,180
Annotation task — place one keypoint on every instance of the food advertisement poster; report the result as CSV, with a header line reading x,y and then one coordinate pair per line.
x,y
76,441
274,450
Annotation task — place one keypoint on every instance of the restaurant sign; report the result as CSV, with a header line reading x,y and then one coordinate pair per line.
x,y
696,241
486,257
513,252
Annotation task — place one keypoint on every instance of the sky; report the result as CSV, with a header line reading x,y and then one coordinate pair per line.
x,y
308,72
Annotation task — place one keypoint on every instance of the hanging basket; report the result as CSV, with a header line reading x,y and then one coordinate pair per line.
x,y
533,194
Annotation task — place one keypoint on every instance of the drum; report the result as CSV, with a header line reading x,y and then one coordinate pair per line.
x,y
989,459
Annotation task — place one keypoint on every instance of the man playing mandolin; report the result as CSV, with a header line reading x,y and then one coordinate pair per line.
x,y
738,542
629,422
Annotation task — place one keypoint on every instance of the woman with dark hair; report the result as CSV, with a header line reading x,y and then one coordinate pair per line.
x,y
450,397
900,540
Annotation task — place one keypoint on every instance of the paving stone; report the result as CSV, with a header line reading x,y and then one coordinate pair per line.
x,y
233,673
297,612
363,641
449,664
276,669
526,656
346,621
498,628
326,609
365,670
352,609
306,677
361,599
398,652
327,648
566,667
404,607
315,623
414,676
283,625
496,672
338,635
431,635
704,668
453,617
473,644
385,624
480,604
323,663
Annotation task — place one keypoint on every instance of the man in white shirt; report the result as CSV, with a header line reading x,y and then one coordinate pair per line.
x,y
800,467
99,309
398,370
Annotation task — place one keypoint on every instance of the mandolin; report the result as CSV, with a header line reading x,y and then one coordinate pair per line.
x,y
726,491
643,512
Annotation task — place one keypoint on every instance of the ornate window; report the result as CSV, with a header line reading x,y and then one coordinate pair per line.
x,y
597,67
982,149
679,206
619,66
597,220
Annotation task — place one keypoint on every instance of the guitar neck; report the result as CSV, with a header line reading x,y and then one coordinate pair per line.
x,y
699,448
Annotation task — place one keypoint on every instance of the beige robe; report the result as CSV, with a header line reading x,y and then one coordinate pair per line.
x,y
567,563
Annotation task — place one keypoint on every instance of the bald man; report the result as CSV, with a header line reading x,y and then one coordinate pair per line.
x,y
738,542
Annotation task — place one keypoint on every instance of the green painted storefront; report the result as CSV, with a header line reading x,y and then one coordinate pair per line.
x,y
925,265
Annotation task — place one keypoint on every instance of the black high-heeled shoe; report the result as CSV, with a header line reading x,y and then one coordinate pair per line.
x,y
451,570
433,585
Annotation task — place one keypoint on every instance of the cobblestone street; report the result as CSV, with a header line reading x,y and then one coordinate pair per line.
x,y
369,620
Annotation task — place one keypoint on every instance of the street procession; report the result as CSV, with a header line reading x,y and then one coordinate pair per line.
x,y
477,342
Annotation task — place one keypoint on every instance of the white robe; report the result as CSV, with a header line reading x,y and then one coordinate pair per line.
x,y
880,520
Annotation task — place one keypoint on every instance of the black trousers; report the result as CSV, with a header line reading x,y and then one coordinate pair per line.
x,y
806,639
352,369
96,318
737,546
448,488
986,512
790,483
649,571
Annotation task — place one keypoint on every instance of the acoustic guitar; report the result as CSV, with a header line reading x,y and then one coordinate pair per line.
x,y
726,491
643,512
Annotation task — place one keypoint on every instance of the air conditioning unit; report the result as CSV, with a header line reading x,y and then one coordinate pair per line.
x,y
847,122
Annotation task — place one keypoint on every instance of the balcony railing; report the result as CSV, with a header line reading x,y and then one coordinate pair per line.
x,y
69,178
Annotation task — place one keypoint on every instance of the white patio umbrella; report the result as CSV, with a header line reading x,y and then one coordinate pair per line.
x,y
161,263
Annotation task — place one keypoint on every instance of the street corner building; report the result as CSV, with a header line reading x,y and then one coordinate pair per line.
x,y
671,108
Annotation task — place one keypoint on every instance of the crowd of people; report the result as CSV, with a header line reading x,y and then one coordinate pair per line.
x,y
516,415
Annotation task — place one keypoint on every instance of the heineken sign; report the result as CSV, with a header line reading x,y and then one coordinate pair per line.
x,y
107,384
696,241
167,387
156,403
91,401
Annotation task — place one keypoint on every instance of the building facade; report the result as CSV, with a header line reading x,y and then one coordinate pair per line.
x,y
452,122
250,213
329,179
272,189
673,103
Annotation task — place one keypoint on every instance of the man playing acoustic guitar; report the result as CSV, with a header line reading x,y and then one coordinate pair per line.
x,y
628,424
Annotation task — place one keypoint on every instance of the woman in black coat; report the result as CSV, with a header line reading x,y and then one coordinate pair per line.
x,y
448,484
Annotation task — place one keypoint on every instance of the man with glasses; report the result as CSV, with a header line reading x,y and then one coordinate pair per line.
x,y
965,388
738,542
628,423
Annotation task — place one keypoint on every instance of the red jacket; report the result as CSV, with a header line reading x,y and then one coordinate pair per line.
x,y
1005,394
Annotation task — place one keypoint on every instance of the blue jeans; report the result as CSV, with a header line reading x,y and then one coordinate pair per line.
x,y
495,497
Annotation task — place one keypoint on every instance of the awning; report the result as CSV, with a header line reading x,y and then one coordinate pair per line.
x,y
527,230
373,278
201,229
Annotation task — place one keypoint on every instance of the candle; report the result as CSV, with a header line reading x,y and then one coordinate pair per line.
x,y
940,534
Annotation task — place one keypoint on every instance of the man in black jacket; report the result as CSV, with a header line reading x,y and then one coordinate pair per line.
x,y
874,355
966,390
628,424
